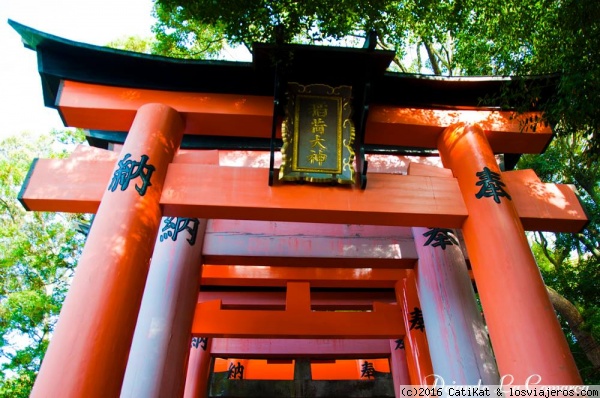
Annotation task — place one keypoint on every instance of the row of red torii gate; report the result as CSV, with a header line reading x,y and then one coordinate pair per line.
x,y
235,218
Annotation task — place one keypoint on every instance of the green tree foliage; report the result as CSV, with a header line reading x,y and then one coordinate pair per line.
x,y
137,44
186,38
570,263
38,253
464,37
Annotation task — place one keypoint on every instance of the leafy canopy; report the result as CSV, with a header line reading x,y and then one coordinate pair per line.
x,y
449,37
38,253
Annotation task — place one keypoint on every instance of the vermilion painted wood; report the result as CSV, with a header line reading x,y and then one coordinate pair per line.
x,y
550,207
222,275
293,244
161,342
323,301
112,108
198,371
378,163
67,185
313,348
420,169
398,367
86,152
541,206
418,358
507,132
90,345
242,193
297,321
198,157
510,287
84,163
267,228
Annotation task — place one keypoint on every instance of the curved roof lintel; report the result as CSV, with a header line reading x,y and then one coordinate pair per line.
x,y
62,59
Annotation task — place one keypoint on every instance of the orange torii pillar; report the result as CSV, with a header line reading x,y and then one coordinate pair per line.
x,y
88,352
525,334
198,370
398,365
418,359
458,342
160,347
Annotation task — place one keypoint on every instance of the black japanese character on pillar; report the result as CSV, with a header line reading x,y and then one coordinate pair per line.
x,y
171,229
399,344
234,371
491,185
129,170
200,342
367,370
441,237
416,320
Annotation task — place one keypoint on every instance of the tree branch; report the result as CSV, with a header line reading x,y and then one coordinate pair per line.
x,y
248,46
384,46
544,245
573,317
432,59
588,244
8,209
398,63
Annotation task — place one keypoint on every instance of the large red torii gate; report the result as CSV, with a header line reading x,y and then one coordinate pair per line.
x,y
109,90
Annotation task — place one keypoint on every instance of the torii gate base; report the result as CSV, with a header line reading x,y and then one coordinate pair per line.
x,y
221,386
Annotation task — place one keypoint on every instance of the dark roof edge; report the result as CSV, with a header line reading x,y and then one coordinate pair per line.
x,y
63,59
33,39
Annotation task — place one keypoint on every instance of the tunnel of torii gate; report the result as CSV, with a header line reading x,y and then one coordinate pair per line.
x,y
241,246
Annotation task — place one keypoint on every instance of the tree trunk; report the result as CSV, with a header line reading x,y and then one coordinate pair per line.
x,y
432,58
573,317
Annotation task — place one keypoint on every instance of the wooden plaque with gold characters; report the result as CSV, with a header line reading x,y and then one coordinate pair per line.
x,y
318,134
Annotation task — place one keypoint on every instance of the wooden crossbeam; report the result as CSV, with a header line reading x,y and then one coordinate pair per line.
x,y
313,348
548,207
320,300
298,320
247,275
207,191
507,132
389,200
113,108
292,244
211,191
541,206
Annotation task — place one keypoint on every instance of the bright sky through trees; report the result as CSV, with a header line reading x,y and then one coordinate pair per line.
x,y
89,21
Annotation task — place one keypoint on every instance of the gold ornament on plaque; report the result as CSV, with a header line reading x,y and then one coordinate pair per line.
x,y
318,135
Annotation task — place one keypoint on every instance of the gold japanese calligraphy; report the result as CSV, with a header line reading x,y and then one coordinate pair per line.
x,y
318,135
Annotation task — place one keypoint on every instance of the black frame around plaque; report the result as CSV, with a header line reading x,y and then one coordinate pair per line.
x,y
318,135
